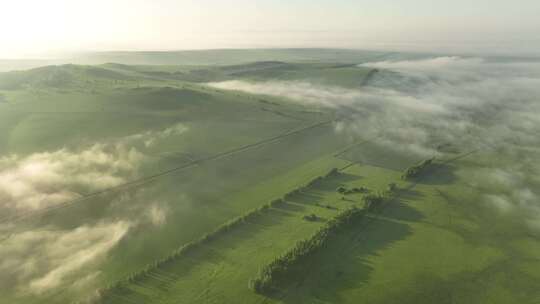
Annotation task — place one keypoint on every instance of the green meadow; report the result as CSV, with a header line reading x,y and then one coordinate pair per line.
x,y
108,170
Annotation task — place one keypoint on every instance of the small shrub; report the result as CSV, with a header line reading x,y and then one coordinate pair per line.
x,y
311,218
417,170
360,190
373,201
341,190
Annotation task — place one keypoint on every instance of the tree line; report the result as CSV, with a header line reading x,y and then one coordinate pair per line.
x,y
416,171
281,269
228,226
277,272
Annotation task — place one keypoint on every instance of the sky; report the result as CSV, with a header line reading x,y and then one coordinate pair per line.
x,y
38,28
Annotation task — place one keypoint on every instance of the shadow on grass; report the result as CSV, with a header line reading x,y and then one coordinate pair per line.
x,y
318,219
305,198
378,156
344,263
157,282
398,210
346,199
474,286
409,194
290,207
331,183
327,206
439,174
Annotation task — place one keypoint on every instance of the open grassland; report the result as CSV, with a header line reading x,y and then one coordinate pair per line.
x,y
430,244
434,245
207,156
219,270
160,160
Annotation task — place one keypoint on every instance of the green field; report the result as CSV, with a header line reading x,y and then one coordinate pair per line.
x,y
107,169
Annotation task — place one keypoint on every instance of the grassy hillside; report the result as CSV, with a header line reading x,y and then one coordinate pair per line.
x,y
429,245
229,56
207,156
106,170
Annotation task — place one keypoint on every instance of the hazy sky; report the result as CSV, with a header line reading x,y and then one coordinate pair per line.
x,y
37,27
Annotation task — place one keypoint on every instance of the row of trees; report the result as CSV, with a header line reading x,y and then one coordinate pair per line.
x,y
277,272
190,246
228,226
417,170
345,191
312,183
374,202
280,270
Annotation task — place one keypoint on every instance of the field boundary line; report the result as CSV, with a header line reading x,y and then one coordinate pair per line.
x,y
150,178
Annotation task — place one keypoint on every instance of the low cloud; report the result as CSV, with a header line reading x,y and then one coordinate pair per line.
x,y
429,64
299,91
51,257
328,96
45,259
46,179
450,98
151,138
510,190
417,106
157,214
501,203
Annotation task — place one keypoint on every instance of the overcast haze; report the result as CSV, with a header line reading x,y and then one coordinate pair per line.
x,y
36,28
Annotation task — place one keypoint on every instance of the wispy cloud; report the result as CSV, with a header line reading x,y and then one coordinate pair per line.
x,y
44,259
45,179
50,257
157,214
151,138
413,106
